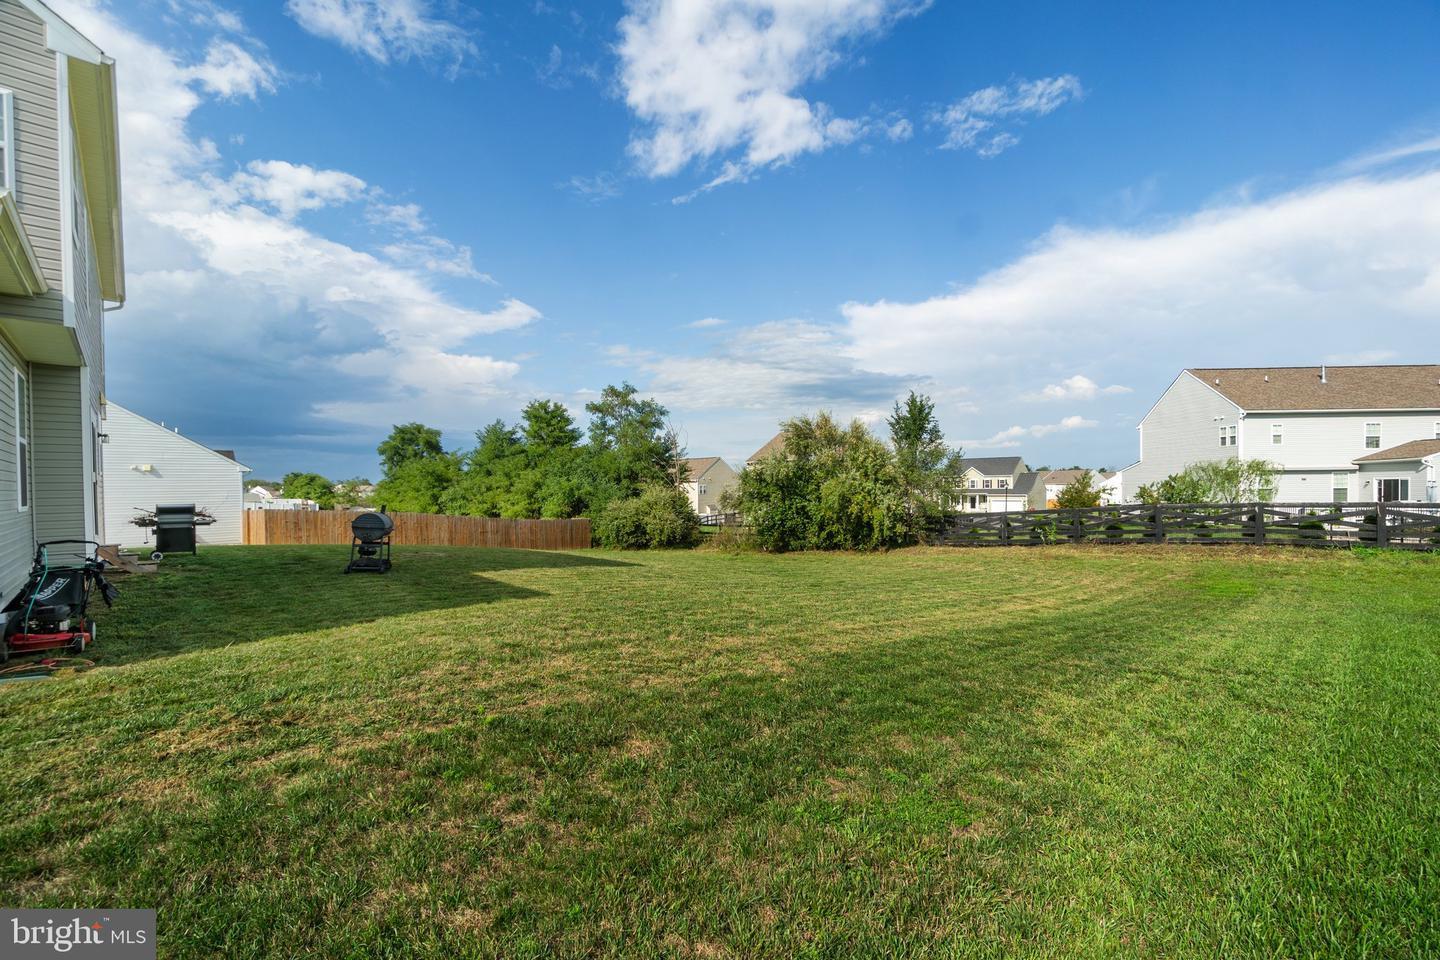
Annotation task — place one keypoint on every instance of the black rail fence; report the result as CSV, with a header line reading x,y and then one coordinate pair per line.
x,y
1409,526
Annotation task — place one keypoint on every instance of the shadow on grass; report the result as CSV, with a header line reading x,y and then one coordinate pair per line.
x,y
222,596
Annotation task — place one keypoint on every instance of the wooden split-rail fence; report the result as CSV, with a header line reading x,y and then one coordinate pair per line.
x,y
1410,526
417,529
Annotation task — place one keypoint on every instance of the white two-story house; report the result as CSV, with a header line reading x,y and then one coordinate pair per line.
x,y
61,263
998,485
1336,433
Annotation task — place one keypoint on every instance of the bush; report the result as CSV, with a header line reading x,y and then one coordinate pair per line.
x,y
660,517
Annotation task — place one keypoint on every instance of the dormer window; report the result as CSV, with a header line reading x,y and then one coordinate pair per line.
x,y
7,141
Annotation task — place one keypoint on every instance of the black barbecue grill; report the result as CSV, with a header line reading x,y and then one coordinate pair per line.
x,y
370,542
175,525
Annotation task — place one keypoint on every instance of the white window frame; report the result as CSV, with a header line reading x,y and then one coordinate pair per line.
x,y
1379,433
1437,429
23,493
1339,481
1277,434
7,139
987,483
1004,484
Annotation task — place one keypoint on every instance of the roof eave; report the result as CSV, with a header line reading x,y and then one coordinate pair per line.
x,y
18,253
97,135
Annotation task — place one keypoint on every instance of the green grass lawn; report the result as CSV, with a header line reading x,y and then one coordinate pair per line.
x,y
1057,752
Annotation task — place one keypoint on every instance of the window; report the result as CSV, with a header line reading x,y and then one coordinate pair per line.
x,y
1004,484
987,484
1277,433
972,483
1394,488
22,440
702,489
1229,436
1339,487
1437,429
7,141
1372,436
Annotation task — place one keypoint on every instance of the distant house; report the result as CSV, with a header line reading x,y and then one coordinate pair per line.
x,y
998,485
149,464
1107,482
263,498
709,477
1337,433
774,445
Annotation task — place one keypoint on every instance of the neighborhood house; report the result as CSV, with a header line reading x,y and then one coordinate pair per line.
x,y
151,464
708,479
61,262
998,485
1337,434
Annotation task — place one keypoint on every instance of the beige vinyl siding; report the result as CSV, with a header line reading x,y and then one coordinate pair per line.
x,y
16,540
181,471
28,69
1182,428
57,452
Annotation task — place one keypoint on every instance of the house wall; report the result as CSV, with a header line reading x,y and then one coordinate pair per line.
x,y
57,452
1330,441
1182,428
182,471
716,481
1420,475
28,70
16,534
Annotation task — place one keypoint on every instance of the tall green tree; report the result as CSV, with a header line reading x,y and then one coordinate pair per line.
x,y
631,440
308,486
409,441
547,426
1080,492
926,464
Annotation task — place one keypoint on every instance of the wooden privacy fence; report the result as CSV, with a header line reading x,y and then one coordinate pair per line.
x,y
1411,526
418,529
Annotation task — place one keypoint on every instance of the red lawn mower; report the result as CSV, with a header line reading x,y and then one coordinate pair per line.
x,y
49,611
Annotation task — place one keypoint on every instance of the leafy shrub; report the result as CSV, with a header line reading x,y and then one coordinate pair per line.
x,y
659,517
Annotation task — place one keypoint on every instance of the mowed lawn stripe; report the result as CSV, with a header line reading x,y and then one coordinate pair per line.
x,y
1046,752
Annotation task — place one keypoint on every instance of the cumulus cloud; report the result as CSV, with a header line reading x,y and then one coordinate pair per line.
x,y
722,78
1013,436
706,323
1078,387
385,30
223,263
785,366
978,122
230,71
1233,284
293,187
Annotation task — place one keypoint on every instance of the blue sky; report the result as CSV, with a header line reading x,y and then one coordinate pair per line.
x,y
353,214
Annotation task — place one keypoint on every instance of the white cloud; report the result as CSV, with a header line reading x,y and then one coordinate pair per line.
x,y
602,186
973,123
225,255
1404,151
230,71
714,77
385,30
294,187
408,217
1013,436
899,129
1078,387
1236,284
706,323
437,255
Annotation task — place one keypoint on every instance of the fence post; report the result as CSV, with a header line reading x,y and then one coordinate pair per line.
x,y
1159,524
1259,524
1382,531
1005,529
